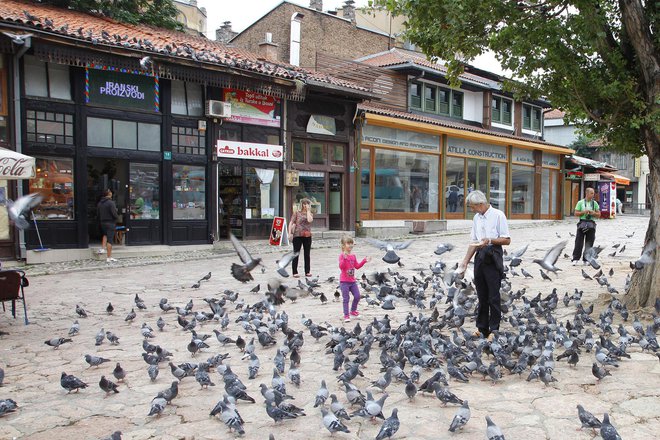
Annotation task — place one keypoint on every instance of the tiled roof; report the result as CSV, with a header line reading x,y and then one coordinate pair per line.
x,y
395,57
380,110
102,32
554,114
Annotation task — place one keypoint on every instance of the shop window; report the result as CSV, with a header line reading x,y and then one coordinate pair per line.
x,y
501,110
188,140
497,187
49,127
429,98
416,95
144,197
187,99
531,117
125,135
4,103
337,155
405,182
549,189
522,185
455,185
263,192
365,167
312,186
317,153
298,152
189,194
46,80
54,181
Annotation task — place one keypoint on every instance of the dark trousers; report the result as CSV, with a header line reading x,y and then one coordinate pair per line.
x,y
306,244
585,240
487,280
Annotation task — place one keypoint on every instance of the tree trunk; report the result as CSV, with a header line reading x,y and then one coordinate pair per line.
x,y
645,283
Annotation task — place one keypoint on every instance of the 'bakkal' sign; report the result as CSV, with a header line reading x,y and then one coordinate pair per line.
x,y
249,150
119,89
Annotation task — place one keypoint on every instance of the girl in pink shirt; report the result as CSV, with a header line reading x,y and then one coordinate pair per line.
x,y
347,283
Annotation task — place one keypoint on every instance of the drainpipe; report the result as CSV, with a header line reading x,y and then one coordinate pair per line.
x,y
18,134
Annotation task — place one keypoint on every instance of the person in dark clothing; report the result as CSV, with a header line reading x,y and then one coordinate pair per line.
x,y
301,230
587,209
107,214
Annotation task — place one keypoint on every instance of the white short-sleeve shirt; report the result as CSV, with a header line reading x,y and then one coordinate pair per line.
x,y
492,224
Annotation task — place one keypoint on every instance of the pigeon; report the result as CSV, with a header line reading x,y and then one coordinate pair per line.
x,y
75,328
283,262
442,248
108,386
153,372
321,395
332,423
390,426
206,277
591,255
100,337
81,312
158,405
230,417
56,342
389,247
411,389
278,414
71,383
337,408
587,419
372,408
18,209
131,316
160,323
2,376
514,257
95,361
493,432
169,393
599,372
109,309
585,275
607,431
119,373
242,273
550,259
460,418
525,273
545,276
647,255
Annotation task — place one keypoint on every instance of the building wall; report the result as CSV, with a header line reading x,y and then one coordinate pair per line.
x,y
560,135
319,32
192,17
473,106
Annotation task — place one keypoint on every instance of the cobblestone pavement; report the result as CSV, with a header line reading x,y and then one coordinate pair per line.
x,y
523,409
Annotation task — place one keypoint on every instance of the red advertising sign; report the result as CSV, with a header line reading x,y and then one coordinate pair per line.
x,y
249,150
278,233
252,108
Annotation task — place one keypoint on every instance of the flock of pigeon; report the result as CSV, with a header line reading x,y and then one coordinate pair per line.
x,y
423,354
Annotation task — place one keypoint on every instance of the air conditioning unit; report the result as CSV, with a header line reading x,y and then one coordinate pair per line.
x,y
218,109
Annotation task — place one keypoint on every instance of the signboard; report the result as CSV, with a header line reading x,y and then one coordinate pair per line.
x,y
464,147
279,232
550,159
117,89
249,150
252,108
521,155
393,137
574,175
591,177
167,155
607,199
320,124
15,166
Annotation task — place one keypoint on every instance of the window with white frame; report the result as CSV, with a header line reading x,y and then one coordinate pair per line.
x,y
532,117
501,110
46,80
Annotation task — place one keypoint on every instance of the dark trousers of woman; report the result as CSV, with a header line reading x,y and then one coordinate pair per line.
x,y
306,244
585,240
488,279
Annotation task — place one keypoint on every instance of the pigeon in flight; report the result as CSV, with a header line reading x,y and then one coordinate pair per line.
x,y
242,273
389,247
550,259
515,256
283,262
591,256
20,208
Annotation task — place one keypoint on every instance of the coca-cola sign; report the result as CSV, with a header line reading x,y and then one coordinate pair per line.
x,y
249,150
16,167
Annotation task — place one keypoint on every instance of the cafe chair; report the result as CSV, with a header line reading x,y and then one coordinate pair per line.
x,y
12,283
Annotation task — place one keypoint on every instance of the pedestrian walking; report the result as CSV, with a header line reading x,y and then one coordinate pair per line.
x,y
347,281
490,231
301,230
585,235
107,214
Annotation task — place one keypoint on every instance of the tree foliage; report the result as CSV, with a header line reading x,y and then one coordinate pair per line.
x,y
160,13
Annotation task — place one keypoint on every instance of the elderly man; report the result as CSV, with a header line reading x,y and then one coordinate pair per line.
x,y
490,231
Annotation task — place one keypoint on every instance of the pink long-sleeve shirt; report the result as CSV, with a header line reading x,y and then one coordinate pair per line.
x,y
347,265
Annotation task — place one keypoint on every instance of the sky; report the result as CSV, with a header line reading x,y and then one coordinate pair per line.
x,y
243,13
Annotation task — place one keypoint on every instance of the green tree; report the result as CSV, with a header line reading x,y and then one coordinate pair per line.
x,y
597,60
160,13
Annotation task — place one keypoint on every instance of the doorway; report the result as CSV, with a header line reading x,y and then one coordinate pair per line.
x,y
105,174
335,202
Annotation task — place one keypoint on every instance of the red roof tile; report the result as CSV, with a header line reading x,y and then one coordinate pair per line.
x,y
100,32
554,114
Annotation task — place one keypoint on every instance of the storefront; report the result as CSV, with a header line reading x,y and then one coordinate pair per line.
x,y
321,154
250,156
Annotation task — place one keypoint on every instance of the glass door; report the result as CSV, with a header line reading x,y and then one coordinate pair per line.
x,y
143,220
335,202
103,174
230,198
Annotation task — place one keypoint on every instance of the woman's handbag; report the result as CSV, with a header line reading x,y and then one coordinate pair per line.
x,y
306,234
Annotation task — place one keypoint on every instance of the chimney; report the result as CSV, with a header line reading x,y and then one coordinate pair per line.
x,y
349,10
224,33
192,2
316,4
267,48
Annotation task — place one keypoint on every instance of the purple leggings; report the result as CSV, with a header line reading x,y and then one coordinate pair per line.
x,y
351,287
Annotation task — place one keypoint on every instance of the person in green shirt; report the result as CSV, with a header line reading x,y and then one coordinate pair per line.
x,y
587,209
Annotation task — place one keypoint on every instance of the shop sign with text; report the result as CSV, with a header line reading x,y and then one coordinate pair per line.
x,y
521,155
393,137
464,147
252,108
249,150
119,89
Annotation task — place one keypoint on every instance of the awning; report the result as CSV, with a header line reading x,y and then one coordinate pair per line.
x,y
583,161
15,166
621,180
